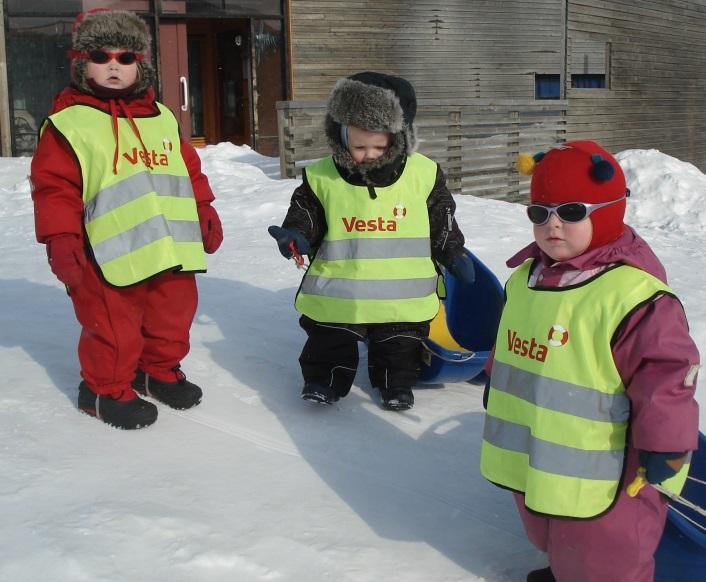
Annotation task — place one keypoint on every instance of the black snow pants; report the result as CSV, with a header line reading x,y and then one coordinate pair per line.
x,y
330,354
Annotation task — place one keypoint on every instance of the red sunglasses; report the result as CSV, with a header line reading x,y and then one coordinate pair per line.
x,y
101,57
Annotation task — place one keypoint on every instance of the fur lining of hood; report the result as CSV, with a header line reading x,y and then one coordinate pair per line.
x,y
368,172
371,107
366,106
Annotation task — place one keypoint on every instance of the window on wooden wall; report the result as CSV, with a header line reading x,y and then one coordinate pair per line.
x,y
588,81
589,63
547,86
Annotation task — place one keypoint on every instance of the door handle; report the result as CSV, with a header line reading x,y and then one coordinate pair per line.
x,y
184,93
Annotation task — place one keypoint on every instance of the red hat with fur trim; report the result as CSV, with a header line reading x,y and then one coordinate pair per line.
x,y
580,171
102,28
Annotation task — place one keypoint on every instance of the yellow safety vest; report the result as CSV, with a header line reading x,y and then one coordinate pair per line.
x,y
557,418
141,221
374,264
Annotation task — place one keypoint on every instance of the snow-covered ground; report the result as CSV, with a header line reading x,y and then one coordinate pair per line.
x,y
254,484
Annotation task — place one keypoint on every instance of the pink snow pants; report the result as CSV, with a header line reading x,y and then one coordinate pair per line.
x,y
618,546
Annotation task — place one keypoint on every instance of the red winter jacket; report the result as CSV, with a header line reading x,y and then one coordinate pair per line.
x,y
56,175
653,351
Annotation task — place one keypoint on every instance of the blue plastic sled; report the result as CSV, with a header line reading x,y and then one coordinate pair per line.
x,y
463,332
681,554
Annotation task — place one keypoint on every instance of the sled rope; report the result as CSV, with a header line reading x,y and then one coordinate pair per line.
x,y
465,358
681,500
695,480
634,488
687,518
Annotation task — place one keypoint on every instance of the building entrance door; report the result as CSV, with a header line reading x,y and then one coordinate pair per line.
x,y
206,80
232,82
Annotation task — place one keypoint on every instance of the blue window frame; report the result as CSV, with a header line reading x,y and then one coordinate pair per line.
x,y
547,86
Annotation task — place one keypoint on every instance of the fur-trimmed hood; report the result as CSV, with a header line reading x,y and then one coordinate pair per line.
x,y
376,102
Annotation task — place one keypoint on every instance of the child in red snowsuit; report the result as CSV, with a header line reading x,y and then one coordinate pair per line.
x,y
572,412
125,212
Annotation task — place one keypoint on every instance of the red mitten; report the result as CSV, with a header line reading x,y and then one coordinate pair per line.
x,y
211,229
67,258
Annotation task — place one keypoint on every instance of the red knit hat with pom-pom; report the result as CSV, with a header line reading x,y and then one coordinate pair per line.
x,y
580,171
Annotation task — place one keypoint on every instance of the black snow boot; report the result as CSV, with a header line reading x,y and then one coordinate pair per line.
x,y
397,398
126,414
543,575
319,393
181,394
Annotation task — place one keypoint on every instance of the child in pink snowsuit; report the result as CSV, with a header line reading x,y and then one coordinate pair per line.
x,y
573,412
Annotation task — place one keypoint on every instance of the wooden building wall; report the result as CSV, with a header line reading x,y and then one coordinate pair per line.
x,y
458,50
652,53
655,54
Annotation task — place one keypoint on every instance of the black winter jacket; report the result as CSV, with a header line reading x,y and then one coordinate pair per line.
x,y
306,214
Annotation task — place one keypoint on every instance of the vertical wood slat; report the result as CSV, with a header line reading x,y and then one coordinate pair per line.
x,y
455,152
513,141
282,122
476,145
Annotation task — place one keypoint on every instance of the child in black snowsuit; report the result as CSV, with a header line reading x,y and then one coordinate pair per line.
x,y
375,219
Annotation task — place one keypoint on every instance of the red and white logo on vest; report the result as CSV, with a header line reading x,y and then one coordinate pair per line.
x,y
377,224
558,335
399,211
533,348
149,159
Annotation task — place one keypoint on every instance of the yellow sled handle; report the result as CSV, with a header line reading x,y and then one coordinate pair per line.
x,y
638,483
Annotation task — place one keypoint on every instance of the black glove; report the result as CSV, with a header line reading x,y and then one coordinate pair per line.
x,y
286,236
656,467
462,268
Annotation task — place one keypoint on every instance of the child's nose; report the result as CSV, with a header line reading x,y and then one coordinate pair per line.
x,y
554,220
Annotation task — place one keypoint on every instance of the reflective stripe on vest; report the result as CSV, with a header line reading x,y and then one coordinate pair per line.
x,y
552,457
557,409
561,396
368,289
374,264
141,221
373,248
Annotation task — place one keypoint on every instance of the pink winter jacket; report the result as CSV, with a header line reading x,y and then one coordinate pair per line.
x,y
653,351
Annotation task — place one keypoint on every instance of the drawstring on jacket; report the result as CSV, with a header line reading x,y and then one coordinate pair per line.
x,y
114,119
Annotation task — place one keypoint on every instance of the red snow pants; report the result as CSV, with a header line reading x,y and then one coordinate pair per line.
x,y
145,326
618,546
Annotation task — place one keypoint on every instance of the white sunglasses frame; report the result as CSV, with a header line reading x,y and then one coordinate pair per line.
x,y
590,208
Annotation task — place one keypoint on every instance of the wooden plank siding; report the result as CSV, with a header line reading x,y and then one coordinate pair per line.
x,y
460,53
657,76
459,49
